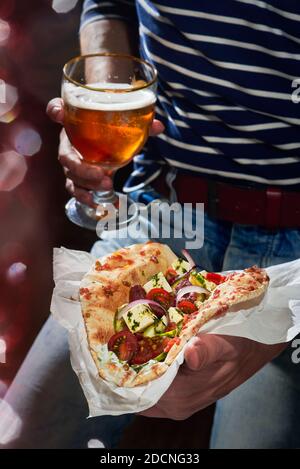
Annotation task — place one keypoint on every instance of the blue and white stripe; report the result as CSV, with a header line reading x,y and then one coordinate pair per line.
x,y
225,74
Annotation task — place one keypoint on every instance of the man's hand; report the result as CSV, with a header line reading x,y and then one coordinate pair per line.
x,y
81,177
214,366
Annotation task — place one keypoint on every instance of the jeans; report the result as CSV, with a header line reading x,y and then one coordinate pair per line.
x,y
261,413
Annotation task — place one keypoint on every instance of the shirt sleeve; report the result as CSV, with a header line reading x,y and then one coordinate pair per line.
x,y
94,10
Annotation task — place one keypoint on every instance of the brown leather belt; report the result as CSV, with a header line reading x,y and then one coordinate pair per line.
x,y
270,208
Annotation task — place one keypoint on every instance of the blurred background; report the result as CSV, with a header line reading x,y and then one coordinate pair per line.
x,y
36,38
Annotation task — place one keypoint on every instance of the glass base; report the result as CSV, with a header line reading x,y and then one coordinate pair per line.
x,y
91,219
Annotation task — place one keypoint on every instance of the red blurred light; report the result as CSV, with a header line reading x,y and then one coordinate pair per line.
x,y
4,32
16,273
27,141
63,6
7,8
8,101
13,169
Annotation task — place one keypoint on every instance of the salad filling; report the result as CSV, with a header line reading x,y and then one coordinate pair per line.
x,y
149,325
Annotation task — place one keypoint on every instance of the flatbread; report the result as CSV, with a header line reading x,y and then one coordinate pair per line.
x,y
241,290
106,287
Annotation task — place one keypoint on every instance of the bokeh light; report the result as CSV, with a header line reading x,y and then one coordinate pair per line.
x,y
63,6
10,423
16,273
8,101
13,169
6,8
2,351
27,141
95,444
4,32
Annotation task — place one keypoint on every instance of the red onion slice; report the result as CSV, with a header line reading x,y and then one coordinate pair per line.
x,y
191,289
158,308
188,258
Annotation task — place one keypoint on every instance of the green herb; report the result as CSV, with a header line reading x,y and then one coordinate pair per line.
x,y
129,314
135,325
155,279
199,278
137,368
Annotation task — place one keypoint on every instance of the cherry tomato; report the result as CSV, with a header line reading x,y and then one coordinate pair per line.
x,y
187,307
170,327
148,349
215,278
124,344
161,296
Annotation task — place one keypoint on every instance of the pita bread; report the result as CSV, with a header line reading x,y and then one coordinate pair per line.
x,y
106,287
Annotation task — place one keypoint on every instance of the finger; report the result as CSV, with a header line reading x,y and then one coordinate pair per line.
x,y
71,160
80,194
153,412
105,184
55,110
206,349
157,128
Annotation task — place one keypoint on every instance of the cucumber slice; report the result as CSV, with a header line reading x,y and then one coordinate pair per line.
x,y
159,327
160,357
119,322
150,331
119,314
172,333
119,325
179,327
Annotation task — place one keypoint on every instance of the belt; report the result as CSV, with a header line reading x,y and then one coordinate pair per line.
x,y
270,207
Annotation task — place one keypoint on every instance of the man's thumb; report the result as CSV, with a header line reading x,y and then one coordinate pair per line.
x,y
157,128
55,110
205,350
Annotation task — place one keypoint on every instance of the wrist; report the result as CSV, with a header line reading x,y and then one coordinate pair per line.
x,y
108,35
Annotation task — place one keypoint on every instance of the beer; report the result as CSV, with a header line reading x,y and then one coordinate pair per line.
x,y
107,128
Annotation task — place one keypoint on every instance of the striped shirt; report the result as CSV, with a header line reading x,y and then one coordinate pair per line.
x,y
226,70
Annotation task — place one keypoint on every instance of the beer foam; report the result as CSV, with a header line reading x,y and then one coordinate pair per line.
x,y
84,98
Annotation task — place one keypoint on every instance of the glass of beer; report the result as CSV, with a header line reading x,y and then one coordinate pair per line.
x,y
109,104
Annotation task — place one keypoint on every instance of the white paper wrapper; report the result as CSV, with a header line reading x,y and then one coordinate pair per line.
x,y
276,319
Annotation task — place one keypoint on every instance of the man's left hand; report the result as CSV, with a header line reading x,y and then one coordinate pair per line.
x,y
214,366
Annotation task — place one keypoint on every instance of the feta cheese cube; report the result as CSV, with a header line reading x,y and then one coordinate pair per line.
x,y
157,281
139,317
175,315
181,266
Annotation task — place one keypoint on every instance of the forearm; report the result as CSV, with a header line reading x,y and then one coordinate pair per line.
x,y
108,35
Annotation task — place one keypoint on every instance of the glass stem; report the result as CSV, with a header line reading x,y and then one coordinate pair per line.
x,y
101,197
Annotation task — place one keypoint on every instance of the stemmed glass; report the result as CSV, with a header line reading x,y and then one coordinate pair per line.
x,y
109,104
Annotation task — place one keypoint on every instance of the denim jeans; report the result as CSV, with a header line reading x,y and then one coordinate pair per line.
x,y
262,413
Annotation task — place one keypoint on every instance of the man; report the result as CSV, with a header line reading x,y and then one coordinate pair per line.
x,y
231,131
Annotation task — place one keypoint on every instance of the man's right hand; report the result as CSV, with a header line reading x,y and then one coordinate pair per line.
x,y
82,177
